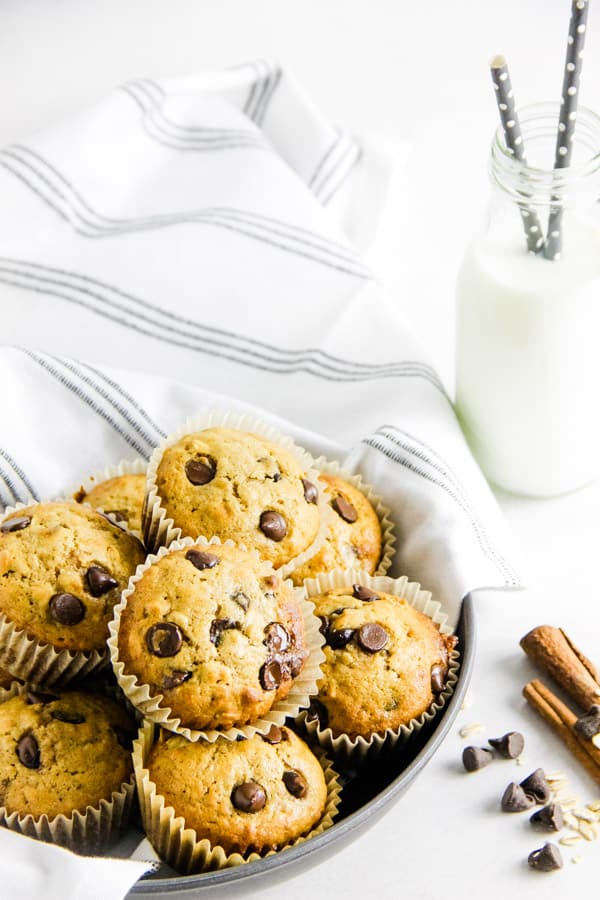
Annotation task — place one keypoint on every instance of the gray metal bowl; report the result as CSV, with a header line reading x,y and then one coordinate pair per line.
x,y
366,796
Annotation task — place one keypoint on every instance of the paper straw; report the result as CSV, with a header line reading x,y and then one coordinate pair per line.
x,y
568,115
514,143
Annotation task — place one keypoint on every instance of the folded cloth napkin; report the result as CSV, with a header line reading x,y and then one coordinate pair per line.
x,y
192,244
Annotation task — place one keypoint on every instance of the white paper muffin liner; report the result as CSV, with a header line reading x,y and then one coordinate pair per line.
x,y
159,530
88,833
388,536
13,690
38,662
149,704
357,749
137,466
178,845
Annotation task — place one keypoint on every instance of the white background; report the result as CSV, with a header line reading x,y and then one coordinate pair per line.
x,y
415,71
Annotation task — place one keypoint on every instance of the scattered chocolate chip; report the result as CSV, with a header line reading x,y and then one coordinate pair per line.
x,y
201,559
99,581
277,636
337,638
338,611
249,797
200,470
67,609
32,697
273,525
16,524
164,639
218,626
536,786
124,738
546,859
317,712
324,626
240,737
510,745
176,678
438,678
360,592
475,758
28,752
589,724
344,509
64,715
275,735
372,637
550,818
241,599
514,799
271,674
295,783
311,493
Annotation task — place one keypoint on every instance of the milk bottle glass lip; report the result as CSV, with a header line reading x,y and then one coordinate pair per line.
x,y
536,180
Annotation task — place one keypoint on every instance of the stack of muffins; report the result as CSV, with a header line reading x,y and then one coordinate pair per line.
x,y
172,600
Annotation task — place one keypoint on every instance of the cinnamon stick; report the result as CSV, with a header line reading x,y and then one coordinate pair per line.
x,y
562,721
555,653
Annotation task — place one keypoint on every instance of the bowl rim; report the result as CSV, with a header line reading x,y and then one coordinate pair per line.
x,y
179,884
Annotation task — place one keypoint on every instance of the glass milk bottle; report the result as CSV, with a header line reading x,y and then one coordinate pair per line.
x,y
528,328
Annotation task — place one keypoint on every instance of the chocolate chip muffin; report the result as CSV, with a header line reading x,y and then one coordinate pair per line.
x,y
121,496
253,795
353,537
385,662
232,484
62,569
62,752
216,632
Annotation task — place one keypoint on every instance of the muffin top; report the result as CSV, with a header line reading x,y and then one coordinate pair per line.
x,y
121,496
62,752
216,632
251,795
353,537
238,485
62,569
384,661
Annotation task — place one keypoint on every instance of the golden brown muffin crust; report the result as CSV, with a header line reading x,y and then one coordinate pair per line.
x,y
243,487
353,538
121,496
62,569
221,643
61,751
382,658
203,783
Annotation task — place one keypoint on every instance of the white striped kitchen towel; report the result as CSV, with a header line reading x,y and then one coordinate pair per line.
x,y
194,243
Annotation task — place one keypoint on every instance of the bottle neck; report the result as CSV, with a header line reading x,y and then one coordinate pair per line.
x,y
536,180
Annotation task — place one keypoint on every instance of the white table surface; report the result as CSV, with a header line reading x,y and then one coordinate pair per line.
x,y
417,71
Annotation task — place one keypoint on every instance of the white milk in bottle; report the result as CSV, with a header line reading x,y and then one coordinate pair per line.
x,y
528,328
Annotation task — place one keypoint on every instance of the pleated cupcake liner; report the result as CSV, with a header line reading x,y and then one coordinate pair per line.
x,y
179,845
149,703
88,833
160,530
358,749
384,513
